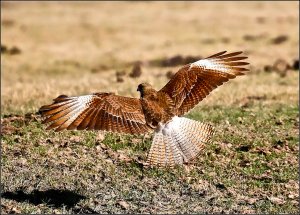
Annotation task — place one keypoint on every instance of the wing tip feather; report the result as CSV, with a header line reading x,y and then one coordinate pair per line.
x,y
217,54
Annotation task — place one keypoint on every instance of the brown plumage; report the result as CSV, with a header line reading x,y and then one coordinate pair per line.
x,y
177,139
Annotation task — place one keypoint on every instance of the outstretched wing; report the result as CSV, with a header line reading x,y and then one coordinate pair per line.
x,y
193,82
99,111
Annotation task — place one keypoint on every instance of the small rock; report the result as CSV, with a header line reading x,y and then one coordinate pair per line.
x,y
279,122
3,49
99,148
212,174
15,210
291,196
268,68
248,37
120,79
173,61
296,65
109,160
276,200
240,120
136,71
251,201
14,50
124,158
280,39
281,67
123,204
22,161
75,139
100,136
120,73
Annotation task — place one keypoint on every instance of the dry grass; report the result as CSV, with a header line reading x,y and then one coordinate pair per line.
x,y
76,48
65,41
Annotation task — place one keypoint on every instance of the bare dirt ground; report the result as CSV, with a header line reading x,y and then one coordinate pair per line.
x,y
54,48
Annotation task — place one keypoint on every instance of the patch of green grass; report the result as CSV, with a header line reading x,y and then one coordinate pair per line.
x,y
90,139
116,141
254,149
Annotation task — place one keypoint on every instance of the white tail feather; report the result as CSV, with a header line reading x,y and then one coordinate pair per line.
x,y
178,141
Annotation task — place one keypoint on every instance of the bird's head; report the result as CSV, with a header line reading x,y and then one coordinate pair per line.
x,y
144,88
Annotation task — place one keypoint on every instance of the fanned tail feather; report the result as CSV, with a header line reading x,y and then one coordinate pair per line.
x,y
164,152
178,142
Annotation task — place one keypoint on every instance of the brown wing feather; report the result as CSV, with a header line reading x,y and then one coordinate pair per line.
x,y
99,111
193,82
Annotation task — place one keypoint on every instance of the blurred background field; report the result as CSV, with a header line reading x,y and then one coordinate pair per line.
x,y
76,48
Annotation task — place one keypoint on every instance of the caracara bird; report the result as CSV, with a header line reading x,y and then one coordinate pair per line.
x,y
176,140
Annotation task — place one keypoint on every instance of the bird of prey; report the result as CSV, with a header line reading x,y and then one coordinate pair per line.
x,y
177,139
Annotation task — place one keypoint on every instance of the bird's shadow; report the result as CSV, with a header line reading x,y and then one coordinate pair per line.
x,y
51,197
